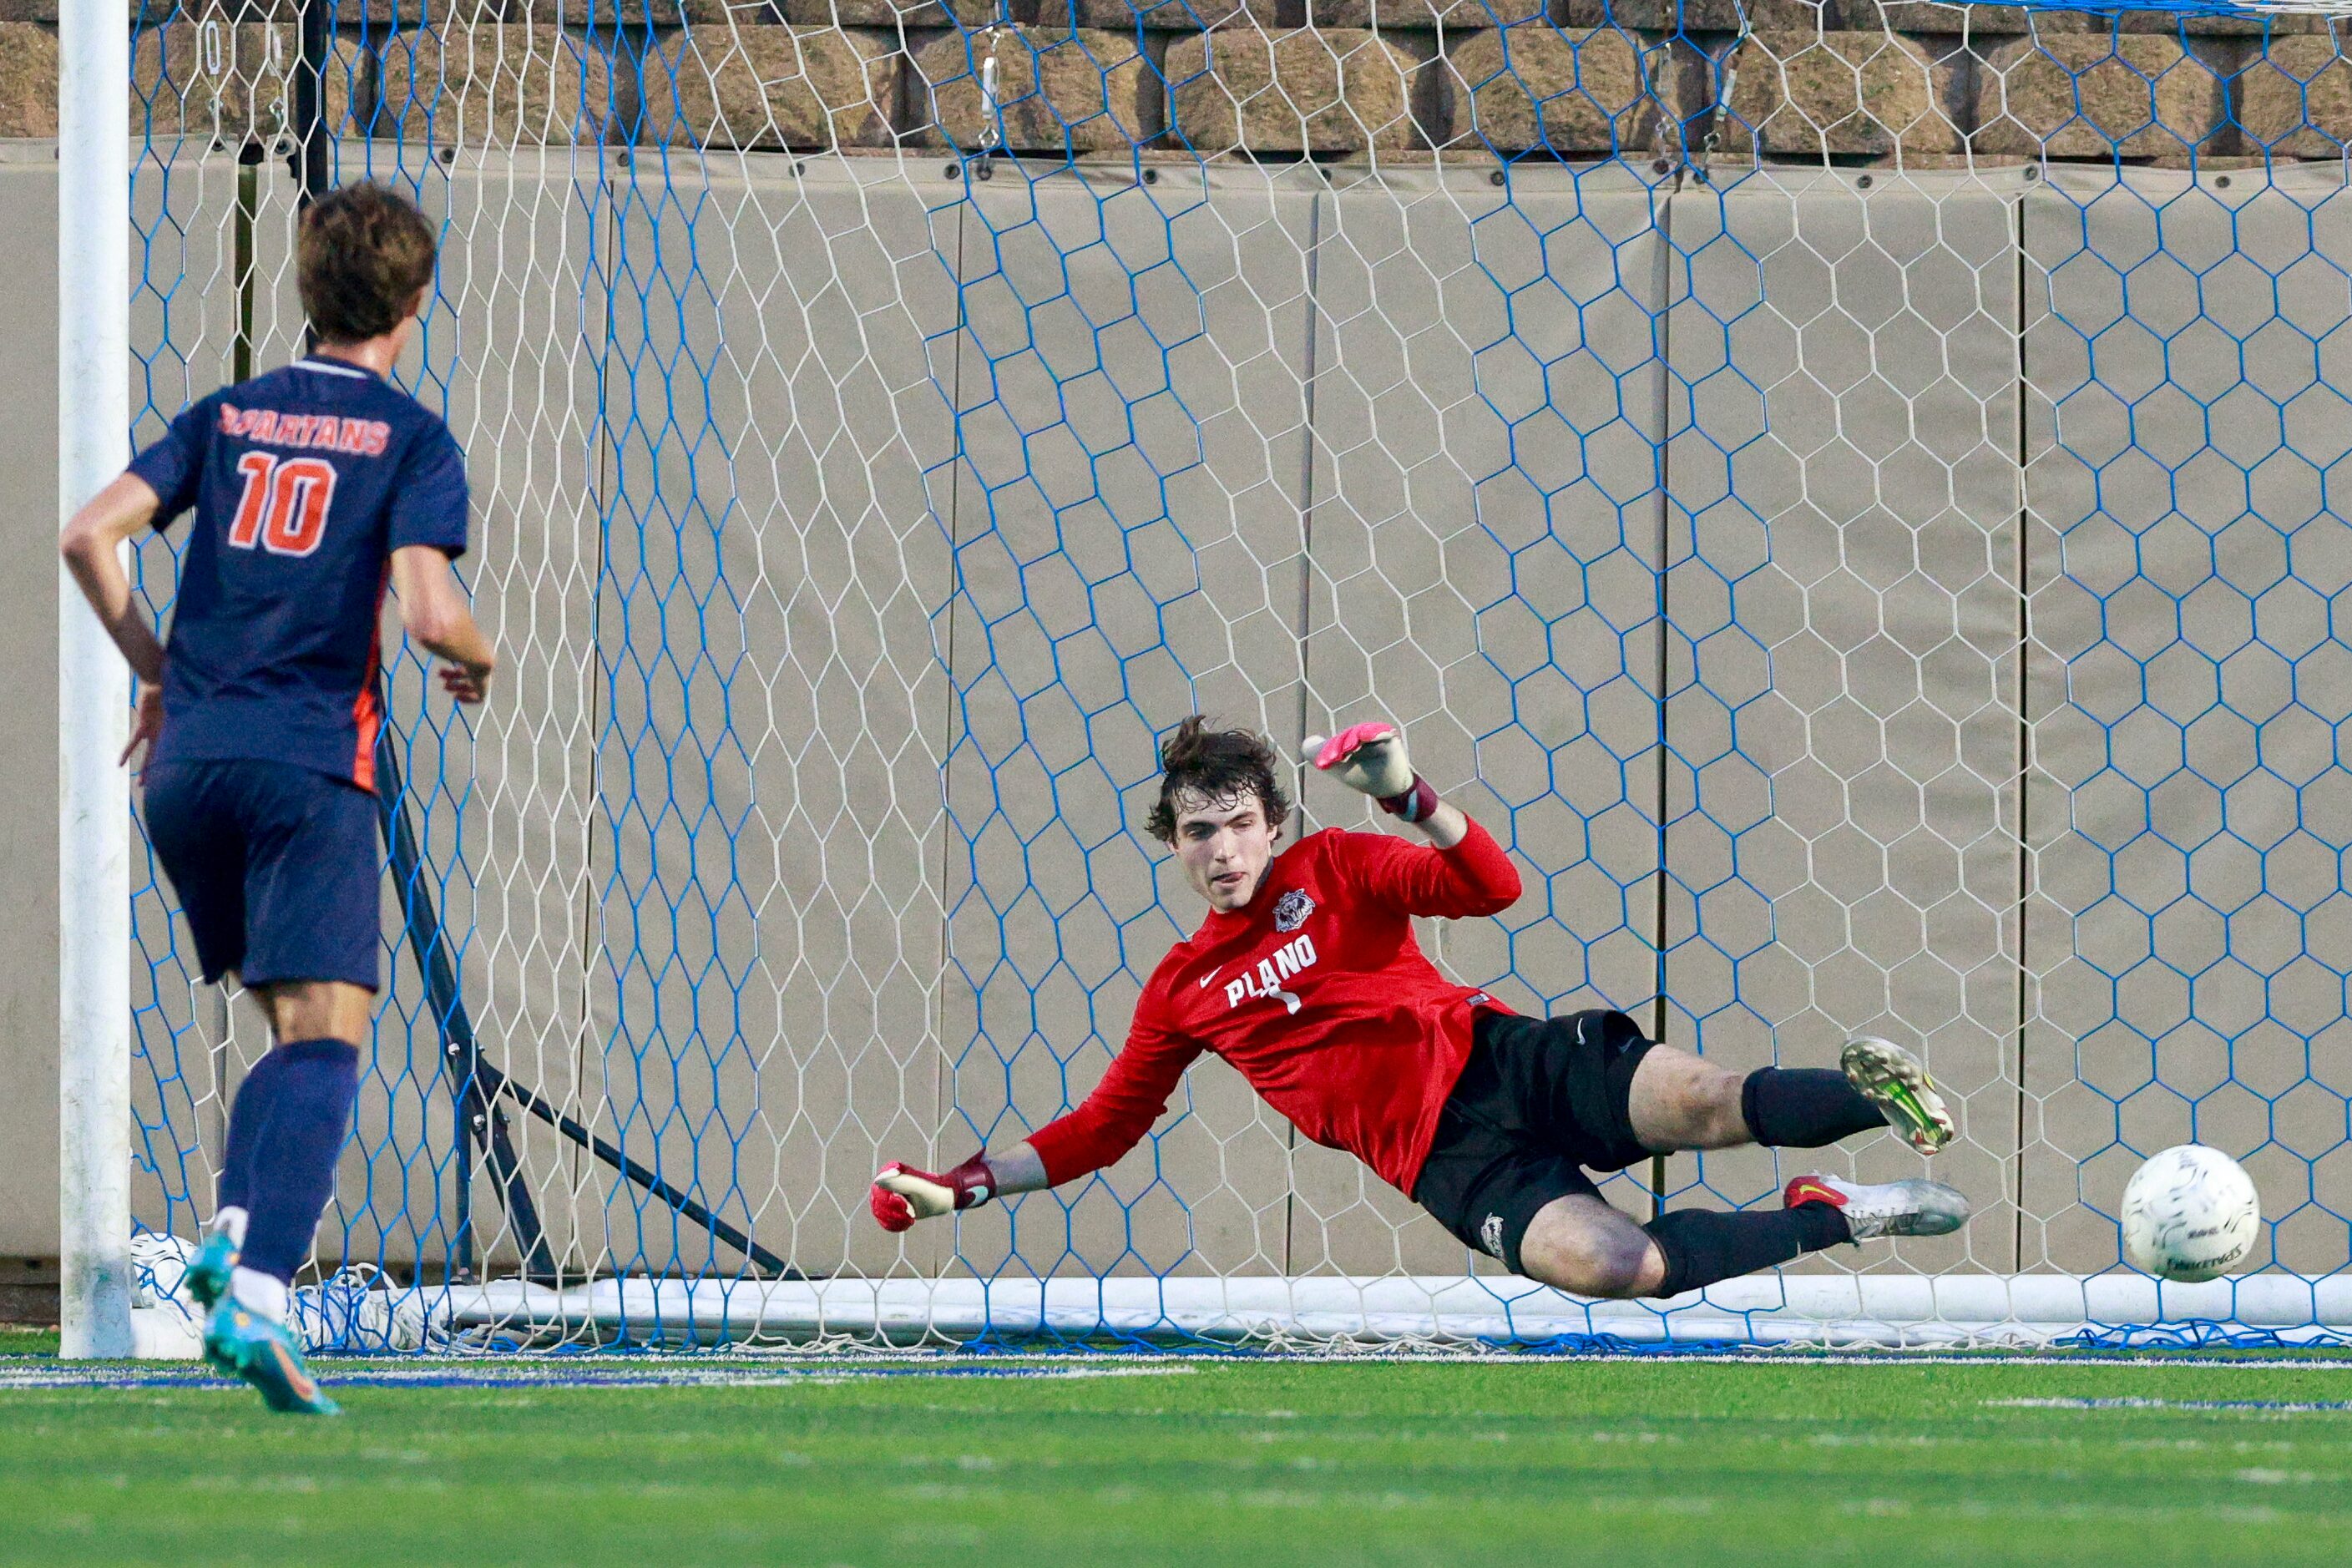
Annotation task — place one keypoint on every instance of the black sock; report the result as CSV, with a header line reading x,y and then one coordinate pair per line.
x,y
1804,1108
1702,1246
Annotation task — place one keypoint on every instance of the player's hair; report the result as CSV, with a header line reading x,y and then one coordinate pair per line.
x,y
364,254
1221,764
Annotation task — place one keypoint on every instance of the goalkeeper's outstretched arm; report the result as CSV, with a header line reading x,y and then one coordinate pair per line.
x,y
1371,758
1468,874
902,1194
1134,1090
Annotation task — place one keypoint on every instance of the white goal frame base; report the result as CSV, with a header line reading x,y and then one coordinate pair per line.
x,y
1888,1309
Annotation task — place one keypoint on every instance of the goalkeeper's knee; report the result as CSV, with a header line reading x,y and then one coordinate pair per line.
x,y
1615,1261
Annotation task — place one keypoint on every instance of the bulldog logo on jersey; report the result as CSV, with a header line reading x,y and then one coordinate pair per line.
x,y
1291,909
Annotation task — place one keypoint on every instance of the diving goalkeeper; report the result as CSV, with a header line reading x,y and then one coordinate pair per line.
x,y
1306,977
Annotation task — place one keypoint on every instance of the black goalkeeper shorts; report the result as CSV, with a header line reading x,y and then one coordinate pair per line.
x,y
1540,1101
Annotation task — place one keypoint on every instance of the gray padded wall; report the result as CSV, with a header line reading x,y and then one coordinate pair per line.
x,y
2165,483
514,337
1485,504
765,854
1845,612
28,750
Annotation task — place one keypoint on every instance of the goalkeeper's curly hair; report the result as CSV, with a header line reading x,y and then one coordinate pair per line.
x,y
363,256
1219,764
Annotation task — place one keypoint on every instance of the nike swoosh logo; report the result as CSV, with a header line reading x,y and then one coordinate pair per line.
x,y
1204,982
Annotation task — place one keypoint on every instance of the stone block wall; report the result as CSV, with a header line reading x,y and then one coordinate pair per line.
x,y
1849,81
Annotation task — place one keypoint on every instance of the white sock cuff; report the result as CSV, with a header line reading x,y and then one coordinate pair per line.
x,y
229,1221
263,1295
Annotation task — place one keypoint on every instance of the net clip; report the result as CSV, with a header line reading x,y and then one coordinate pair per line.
x,y
1727,81
992,116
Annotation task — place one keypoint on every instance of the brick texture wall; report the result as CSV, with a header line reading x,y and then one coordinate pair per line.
x,y
1849,82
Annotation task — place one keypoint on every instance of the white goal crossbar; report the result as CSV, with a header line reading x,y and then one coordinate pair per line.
x,y
1797,1309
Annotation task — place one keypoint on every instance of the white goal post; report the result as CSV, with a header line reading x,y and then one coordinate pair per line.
x,y
95,1277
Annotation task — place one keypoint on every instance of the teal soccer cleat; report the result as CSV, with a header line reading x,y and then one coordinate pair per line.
x,y
206,1279
244,1345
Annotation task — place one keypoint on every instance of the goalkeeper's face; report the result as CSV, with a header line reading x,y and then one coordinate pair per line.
x,y
1225,846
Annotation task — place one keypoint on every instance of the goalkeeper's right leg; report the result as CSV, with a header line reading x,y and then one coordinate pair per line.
x,y
1541,1102
1580,1244
1676,1099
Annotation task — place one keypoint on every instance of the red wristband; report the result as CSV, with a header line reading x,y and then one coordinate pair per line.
x,y
1415,804
973,1181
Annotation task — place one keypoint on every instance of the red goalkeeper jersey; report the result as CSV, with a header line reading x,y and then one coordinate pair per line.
x,y
1318,994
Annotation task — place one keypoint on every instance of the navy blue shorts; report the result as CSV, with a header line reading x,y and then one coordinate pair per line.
x,y
276,867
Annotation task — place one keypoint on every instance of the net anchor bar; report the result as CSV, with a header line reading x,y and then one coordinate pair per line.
x,y
480,1085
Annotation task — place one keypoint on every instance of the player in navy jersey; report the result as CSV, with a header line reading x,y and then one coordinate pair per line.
x,y
314,487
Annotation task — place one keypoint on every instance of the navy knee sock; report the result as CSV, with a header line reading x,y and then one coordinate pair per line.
x,y
237,1158
289,1121
1702,1246
1804,1108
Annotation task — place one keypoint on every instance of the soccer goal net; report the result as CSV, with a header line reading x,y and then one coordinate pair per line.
x,y
1850,494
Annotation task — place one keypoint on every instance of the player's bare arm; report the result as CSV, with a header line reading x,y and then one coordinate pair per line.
x,y
92,547
433,608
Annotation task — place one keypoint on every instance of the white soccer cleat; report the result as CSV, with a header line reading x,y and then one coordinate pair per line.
x,y
1913,1208
1896,1081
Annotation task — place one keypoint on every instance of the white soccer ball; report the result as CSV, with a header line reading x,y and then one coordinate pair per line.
x,y
2190,1214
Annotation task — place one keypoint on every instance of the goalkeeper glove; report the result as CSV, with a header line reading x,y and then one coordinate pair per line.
x,y
901,1195
1371,757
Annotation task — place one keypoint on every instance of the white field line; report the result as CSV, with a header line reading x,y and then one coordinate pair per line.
x,y
556,1374
2225,1406
736,1370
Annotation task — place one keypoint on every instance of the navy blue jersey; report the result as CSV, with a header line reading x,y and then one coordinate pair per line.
x,y
304,482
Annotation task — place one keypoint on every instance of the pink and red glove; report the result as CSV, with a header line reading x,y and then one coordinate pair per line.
x,y
1371,757
902,1194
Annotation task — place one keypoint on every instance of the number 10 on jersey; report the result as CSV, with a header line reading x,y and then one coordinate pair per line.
x,y
284,507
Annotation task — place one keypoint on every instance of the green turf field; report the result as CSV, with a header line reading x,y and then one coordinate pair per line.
x,y
1623,1462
